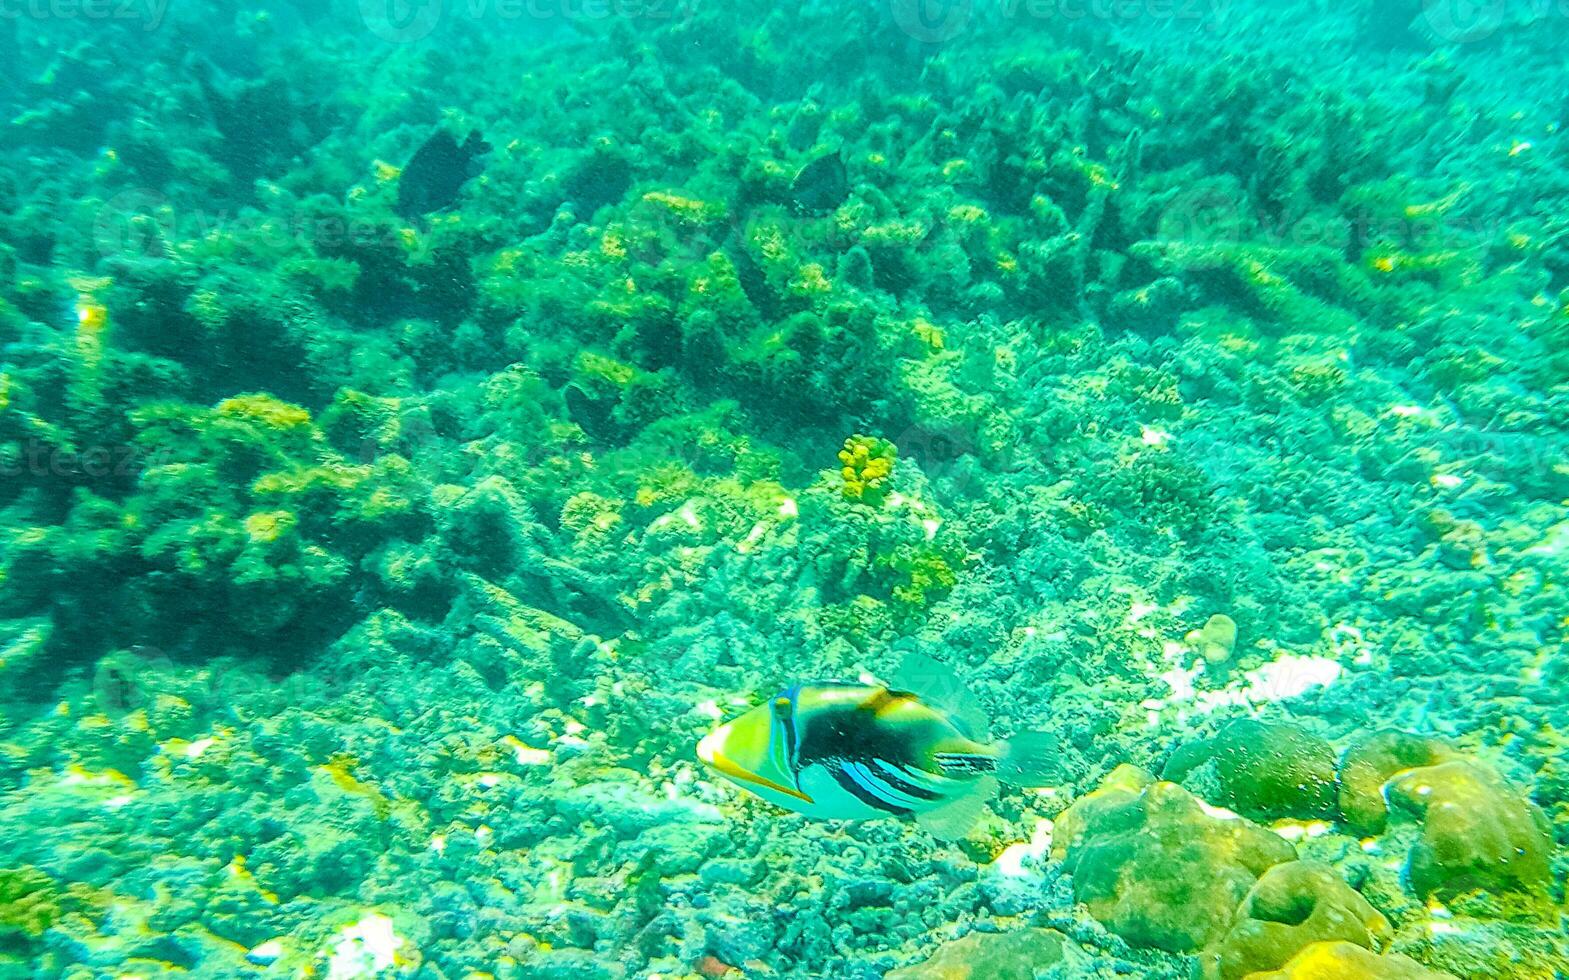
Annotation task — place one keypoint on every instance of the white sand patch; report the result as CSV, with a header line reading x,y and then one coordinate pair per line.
x,y
1011,862
368,948
1288,676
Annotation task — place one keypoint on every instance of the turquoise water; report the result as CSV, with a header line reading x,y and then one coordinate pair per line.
x,y
1113,452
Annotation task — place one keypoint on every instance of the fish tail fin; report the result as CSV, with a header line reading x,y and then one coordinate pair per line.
x,y
953,819
1030,759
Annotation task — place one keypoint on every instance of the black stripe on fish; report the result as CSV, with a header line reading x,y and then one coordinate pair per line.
x,y
852,730
792,736
865,794
964,762
891,776
878,783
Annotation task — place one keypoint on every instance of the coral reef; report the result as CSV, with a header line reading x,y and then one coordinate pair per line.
x,y
1160,870
1477,831
1348,961
1369,763
368,571
1292,907
1019,955
866,462
1267,770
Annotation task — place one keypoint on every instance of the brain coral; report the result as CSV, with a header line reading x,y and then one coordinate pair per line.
x,y
1348,961
1292,906
1270,770
1477,831
1367,766
1158,866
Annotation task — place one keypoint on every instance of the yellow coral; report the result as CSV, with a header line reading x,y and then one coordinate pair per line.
x,y
265,409
688,209
303,479
929,333
810,280
1478,831
1292,906
267,526
866,463
340,769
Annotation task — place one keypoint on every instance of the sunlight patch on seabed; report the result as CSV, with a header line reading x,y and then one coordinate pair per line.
x,y
1019,860
368,948
1288,675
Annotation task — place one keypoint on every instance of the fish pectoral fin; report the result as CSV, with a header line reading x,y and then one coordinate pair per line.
x,y
953,819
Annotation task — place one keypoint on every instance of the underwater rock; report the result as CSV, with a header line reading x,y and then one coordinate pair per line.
x,y
628,808
1267,770
1157,866
1018,955
1367,766
1292,906
1121,789
27,903
1477,831
568,964
1348,961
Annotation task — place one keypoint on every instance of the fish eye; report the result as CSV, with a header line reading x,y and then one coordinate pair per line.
x,y
781,705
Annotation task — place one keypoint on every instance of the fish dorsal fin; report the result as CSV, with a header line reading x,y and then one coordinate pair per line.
x,y
937,685
953,820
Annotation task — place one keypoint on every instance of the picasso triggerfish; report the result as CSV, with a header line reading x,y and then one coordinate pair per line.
x,y
839,750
